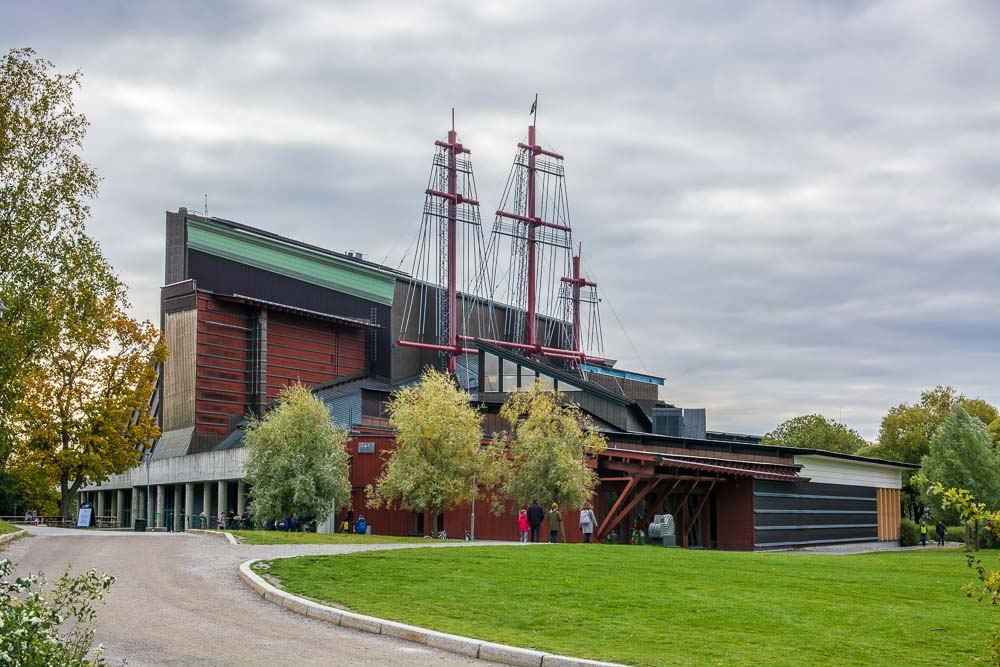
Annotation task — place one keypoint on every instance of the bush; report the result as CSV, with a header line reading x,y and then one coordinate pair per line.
x,y
31,619
909,533
955,534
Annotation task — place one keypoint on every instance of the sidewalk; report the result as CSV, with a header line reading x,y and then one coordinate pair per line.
x,y
864,548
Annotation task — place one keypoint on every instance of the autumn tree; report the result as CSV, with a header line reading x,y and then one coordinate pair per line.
x,y
76,373
297,463
438,458
818,432
961,455
549,444
44,187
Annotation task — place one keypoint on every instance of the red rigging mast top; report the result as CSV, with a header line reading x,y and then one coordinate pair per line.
x,y
452,260
449,199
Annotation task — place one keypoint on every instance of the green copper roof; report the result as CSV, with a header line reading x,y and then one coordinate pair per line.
x,y
340,275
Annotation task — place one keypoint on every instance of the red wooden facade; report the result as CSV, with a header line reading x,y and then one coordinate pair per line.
x,y
298,349
713,508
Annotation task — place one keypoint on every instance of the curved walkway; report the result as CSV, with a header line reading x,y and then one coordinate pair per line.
x,y
179,601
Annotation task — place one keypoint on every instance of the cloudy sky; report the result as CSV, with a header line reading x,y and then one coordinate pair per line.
x,y
792,207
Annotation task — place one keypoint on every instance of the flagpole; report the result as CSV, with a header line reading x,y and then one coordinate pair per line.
x,y
534,120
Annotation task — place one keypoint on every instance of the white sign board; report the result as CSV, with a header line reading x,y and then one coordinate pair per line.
x,y
366,448
83,520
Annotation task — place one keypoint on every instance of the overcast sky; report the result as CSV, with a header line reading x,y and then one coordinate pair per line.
x,y
792,208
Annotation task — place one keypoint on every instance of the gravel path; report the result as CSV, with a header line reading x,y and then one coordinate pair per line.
x,y
179,601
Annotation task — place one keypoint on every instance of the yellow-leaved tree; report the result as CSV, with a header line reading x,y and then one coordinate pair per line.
x,y
439,460
76,372
549,444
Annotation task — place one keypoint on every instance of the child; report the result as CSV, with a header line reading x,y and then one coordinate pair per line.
x,y
523,525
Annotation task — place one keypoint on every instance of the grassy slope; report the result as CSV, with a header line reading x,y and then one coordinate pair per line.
x,y
669,606
7,528
279,537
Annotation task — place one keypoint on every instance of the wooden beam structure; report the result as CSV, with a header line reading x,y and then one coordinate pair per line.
x,y
697,513
618,503
613,520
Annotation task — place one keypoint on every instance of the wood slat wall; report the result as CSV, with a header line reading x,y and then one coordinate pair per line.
x,y
299,349
888,514
223,375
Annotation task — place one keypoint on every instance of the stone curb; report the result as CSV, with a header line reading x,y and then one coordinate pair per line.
x,y
10,537
472,648
221,534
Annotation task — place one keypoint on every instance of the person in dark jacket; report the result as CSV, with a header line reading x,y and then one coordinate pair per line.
x,y
535,516
940,529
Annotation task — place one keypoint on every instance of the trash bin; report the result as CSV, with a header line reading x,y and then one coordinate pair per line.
x,y
140,525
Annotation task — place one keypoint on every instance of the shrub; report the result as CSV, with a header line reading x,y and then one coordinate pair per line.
x,y
955,534
909,533
32,618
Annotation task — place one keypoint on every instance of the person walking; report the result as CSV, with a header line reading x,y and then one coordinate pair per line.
x,y
923,533
940,529
555,523
535,516
588,522
523,525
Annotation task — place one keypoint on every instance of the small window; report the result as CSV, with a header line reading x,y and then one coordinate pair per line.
x,y
545,382
527,378
491,372
566,388
509,376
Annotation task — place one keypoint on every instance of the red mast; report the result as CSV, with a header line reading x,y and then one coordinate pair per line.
x,y
448,342
576,282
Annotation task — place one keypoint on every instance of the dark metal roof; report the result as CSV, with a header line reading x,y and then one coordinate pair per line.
x,y
315,314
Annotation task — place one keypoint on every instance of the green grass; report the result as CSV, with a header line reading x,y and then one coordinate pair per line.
x,y
7,528
654,606
280,537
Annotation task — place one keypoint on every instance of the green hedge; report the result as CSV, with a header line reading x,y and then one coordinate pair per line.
x,y
955,534
909,533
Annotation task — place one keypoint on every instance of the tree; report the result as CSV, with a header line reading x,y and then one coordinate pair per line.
x,y
993,430
818,432
961,455
439,456
85,413
44,185
549,444
907,429
297,464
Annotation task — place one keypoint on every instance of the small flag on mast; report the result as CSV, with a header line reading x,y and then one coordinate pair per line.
x,y
534,105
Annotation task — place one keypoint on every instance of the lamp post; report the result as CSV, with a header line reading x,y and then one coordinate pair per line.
x,y
149,457
475,490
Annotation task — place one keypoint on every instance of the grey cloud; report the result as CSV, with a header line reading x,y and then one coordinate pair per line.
x,y
791,206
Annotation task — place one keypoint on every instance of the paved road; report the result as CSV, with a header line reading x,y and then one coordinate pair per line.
x,y
179,601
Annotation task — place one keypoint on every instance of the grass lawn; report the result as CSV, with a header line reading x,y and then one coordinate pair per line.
x,y
654,606
7,528
280,537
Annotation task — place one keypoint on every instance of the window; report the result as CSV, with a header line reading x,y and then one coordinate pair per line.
x,y
566,388
509,376
545,382
527,378
491,372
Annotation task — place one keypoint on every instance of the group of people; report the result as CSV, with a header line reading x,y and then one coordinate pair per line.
x,y
31,516
359,527
939,532
529,522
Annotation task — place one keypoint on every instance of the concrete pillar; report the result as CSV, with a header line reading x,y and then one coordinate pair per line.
x,y
223,487
189,505
241,497
206,497
100,506
161,497
120,507
135,505
178,513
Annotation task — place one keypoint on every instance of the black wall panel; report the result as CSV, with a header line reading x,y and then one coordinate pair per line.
x,y
788,514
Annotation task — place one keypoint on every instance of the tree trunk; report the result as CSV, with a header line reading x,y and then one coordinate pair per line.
x,y
434,522
67,492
